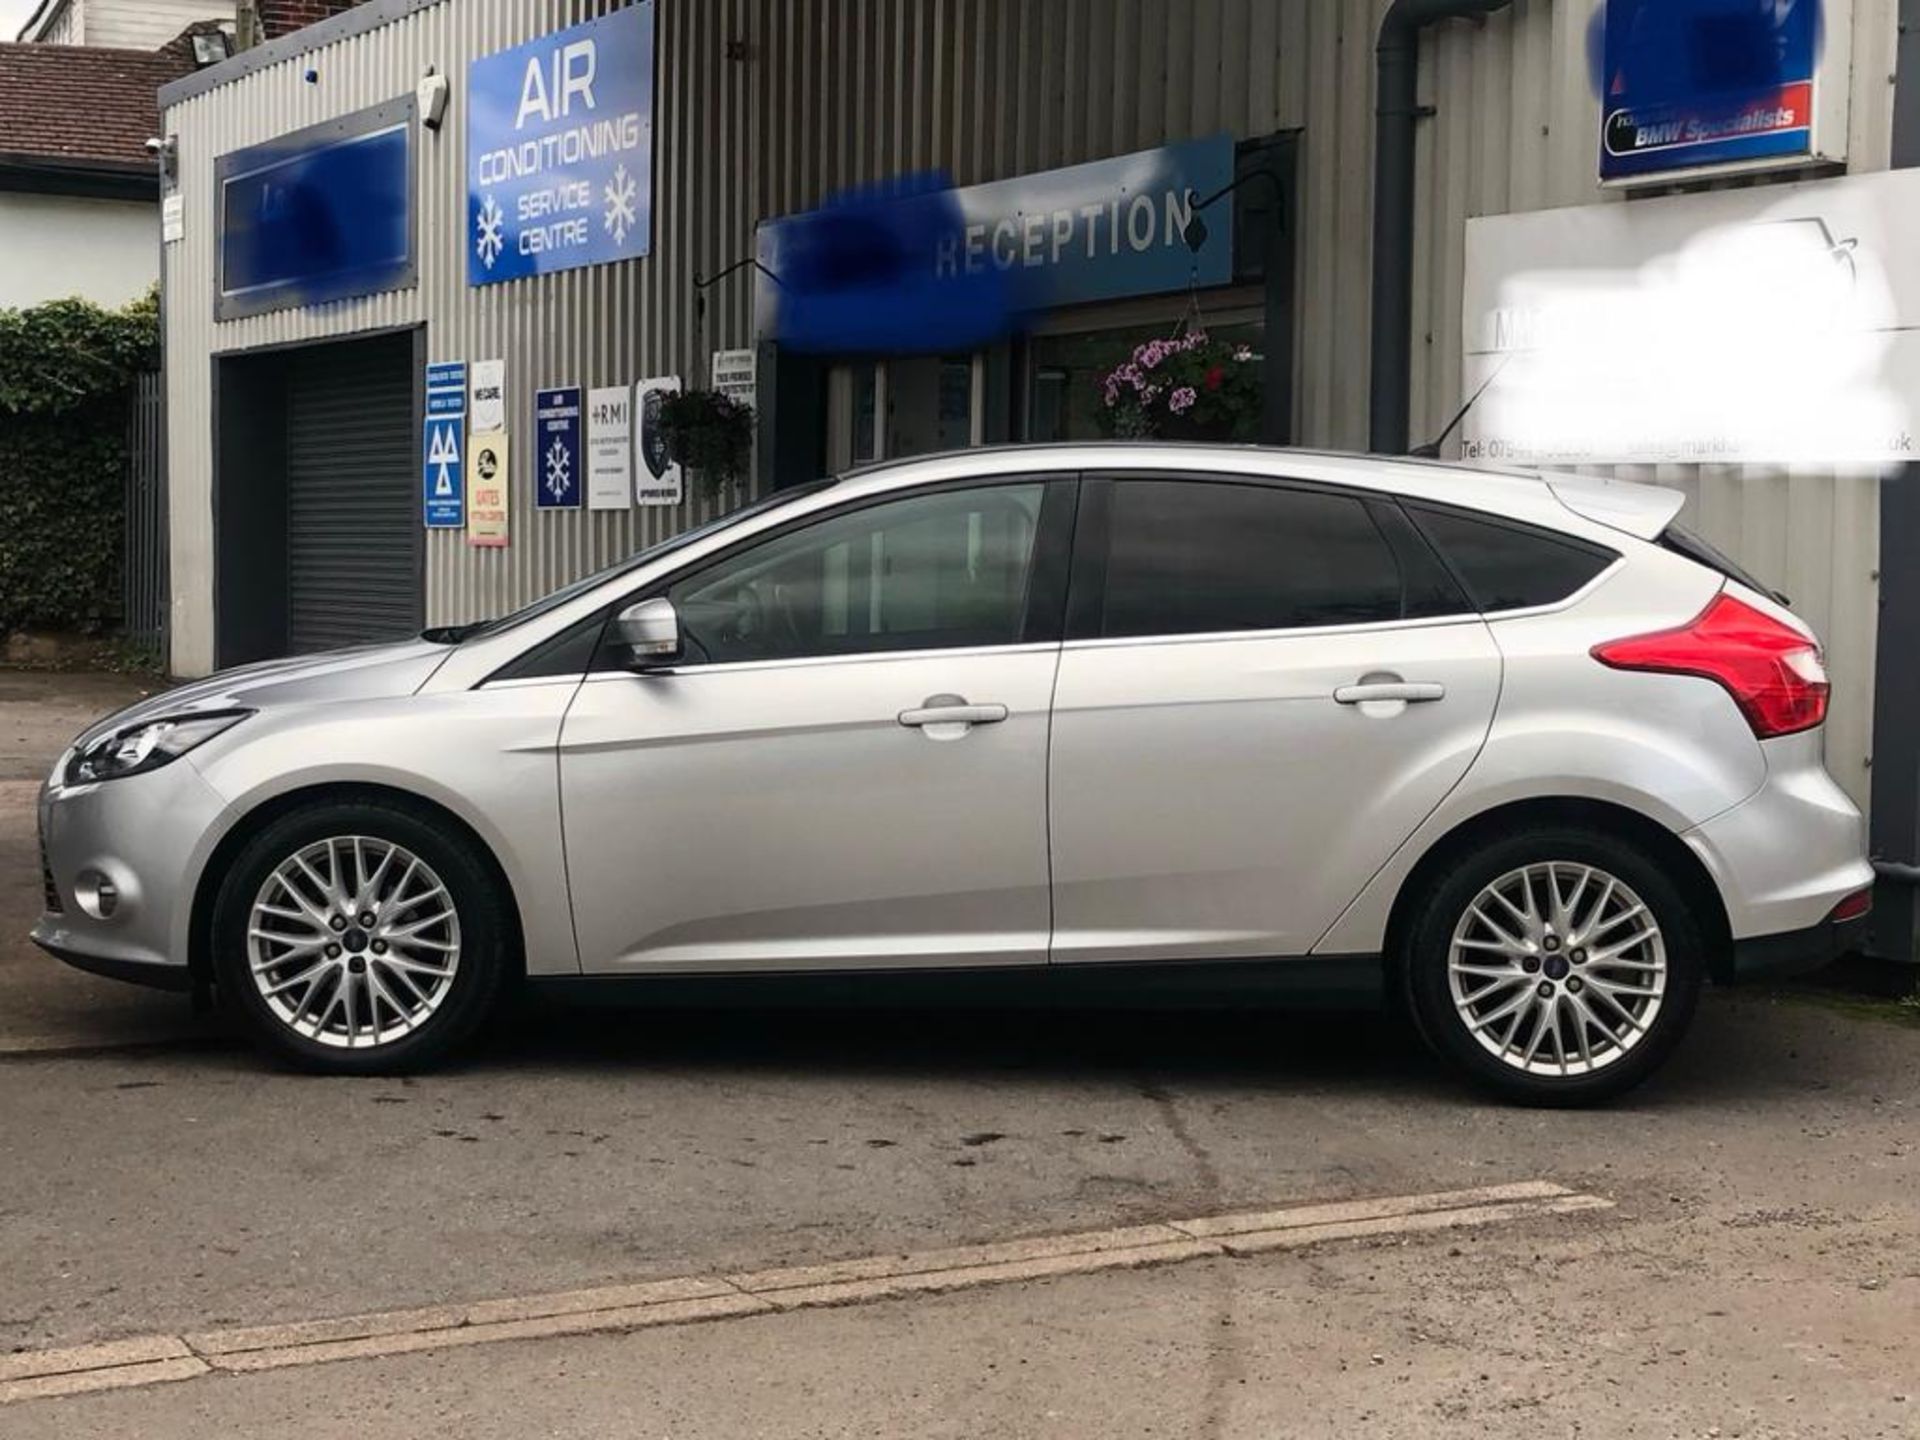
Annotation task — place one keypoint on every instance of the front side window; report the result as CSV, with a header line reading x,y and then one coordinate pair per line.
x,y
934,571
1188,557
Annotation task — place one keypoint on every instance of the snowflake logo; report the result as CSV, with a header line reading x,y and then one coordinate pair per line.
x,y
621,193
559,470
489,240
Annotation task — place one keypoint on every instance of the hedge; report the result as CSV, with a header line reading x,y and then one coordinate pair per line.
x,y
66,372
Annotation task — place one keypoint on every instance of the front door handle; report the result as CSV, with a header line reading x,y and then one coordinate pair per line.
x,y
1367,692
945,716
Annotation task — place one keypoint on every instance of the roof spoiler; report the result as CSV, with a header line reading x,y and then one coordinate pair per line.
x,y
1640,510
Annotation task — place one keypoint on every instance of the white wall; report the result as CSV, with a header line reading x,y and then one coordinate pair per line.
x,y
127,24
56,246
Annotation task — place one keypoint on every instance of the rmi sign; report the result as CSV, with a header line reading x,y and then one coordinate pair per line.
x,y
560,150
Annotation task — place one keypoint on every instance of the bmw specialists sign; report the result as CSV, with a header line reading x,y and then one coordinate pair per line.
x,y
1691,88
560,150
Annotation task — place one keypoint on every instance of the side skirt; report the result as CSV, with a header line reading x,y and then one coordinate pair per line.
x,y
1320,982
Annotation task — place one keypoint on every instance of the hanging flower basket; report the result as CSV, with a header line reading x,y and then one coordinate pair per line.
x,y
1188,387
708,433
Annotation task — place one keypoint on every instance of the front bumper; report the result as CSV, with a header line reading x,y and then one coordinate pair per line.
x,y
147,837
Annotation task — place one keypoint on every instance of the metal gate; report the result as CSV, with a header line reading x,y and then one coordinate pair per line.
x,y
353,523
143,576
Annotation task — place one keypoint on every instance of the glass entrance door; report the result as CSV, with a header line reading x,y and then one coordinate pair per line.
x,y
905,405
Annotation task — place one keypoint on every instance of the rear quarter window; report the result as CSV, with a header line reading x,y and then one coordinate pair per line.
x,y
1506,566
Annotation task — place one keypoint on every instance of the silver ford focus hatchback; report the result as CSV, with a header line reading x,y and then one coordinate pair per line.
x,y
1170,725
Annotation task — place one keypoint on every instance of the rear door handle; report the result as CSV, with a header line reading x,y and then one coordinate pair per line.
x,y
1411,694
944,711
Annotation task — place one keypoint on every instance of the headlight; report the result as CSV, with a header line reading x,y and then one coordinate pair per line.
x,y
147,746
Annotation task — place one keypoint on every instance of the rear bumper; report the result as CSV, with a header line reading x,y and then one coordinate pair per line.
x,y
1787,855
1776,957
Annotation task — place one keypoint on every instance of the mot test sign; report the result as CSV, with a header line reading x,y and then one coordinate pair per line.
x,y
443,447
560,150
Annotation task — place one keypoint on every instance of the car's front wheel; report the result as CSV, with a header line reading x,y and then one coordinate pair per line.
x,y
357,937
1555,966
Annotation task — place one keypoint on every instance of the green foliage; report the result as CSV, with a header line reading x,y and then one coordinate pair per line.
x,y
66,370
709,433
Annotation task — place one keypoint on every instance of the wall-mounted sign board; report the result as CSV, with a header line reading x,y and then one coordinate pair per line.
x,y
560,150
320,214
443,445
1700,87
1771,324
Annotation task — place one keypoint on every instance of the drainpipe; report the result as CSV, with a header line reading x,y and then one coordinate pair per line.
x,y
1396,109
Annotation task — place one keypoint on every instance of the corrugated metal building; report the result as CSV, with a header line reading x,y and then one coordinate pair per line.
x,y
764,107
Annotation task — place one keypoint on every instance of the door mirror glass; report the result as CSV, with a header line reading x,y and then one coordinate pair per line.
x,y
649,631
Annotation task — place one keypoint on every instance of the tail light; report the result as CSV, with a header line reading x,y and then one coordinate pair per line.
x,y
1854,906
1773,672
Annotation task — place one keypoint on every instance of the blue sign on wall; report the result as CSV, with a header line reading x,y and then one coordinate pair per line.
x,y
560,150
939,266
444,447
318,215
556,433
1691,83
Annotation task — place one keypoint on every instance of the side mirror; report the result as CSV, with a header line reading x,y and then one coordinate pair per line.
x,y
651,632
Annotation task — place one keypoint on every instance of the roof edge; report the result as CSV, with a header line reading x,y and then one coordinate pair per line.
x,y
369,15
78,176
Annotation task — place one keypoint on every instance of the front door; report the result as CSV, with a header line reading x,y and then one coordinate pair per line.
x,y
848,770
1264,691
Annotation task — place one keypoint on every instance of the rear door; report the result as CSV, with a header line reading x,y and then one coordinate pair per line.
x,y
1265,689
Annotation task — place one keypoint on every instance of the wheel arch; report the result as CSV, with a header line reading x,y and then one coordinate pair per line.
x,y
1679,862
227,849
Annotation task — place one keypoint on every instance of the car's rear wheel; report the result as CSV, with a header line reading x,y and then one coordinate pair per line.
x,y
1557,966
357,937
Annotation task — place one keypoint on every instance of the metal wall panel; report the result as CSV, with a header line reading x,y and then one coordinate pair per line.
x,y
763,106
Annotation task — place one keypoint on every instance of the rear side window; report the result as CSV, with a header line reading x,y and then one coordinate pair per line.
x,y
1511,567
1188,557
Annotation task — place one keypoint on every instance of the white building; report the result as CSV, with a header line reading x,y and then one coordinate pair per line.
x,y
79,195
119,24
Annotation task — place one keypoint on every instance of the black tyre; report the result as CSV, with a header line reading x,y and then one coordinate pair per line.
x,y
359,937
1555,966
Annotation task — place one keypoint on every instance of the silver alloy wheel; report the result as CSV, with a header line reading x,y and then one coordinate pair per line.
x,y
1557,969
353,941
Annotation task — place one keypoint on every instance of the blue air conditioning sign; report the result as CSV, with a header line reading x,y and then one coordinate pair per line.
x,y
1705,86
560,150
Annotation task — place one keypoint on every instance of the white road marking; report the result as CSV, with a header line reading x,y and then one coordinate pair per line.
x,y
156,1359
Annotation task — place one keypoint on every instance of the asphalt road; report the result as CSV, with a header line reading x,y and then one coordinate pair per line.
x,y
1758,1273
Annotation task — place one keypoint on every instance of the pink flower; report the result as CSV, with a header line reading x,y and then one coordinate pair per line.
x,y
1182,399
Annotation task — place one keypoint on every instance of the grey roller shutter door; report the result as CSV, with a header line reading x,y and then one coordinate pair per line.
x,y
353,503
